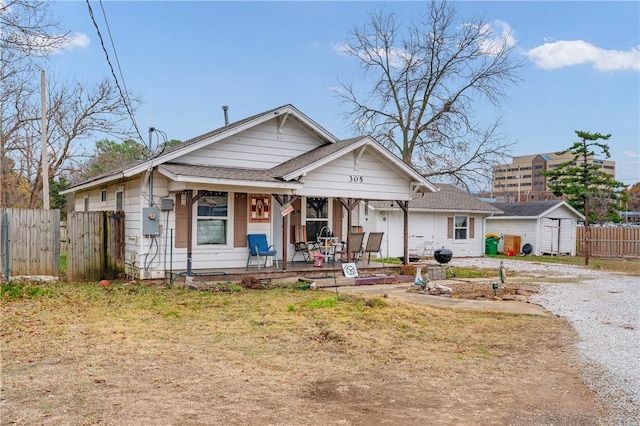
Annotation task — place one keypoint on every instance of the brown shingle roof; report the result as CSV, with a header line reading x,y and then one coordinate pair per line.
x,y
213,172
449,198
528,208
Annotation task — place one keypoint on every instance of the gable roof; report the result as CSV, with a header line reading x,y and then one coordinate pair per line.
x,y
448,198
192,144
283,175
533,208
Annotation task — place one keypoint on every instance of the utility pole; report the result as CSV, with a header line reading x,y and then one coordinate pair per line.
x,y
45,157
2,183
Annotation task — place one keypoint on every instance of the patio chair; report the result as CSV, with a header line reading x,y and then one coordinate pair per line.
x,y
428,248
301,244
355,246
258,246
374,241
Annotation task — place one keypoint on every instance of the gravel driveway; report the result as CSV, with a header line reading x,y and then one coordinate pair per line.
x,y
604,308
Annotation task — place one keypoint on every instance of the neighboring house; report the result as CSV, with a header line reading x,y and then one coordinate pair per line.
x,y
549,226
449,218
191,206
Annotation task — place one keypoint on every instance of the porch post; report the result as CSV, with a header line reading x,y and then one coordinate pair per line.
x,y
404,205
406,232
282,200
189,230
285,240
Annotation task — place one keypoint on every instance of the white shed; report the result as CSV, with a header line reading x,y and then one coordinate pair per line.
x,y
548,226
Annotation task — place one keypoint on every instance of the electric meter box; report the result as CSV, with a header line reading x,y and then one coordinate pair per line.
x,y
151,221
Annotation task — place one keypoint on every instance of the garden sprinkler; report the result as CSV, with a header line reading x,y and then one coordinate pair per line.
x,y
495,288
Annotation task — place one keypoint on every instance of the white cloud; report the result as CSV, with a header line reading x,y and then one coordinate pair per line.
x,y
562,54
77,40
631,154
493,43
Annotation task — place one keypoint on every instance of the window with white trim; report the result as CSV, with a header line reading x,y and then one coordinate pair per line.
x,y
212,218
460,227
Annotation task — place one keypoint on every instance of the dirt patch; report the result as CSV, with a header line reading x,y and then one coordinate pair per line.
x,y
137,355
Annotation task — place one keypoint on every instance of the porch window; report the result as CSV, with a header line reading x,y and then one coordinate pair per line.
x,y
317,216
212,218
460,227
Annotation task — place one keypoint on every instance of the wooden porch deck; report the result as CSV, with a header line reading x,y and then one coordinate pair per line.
x,y
294,269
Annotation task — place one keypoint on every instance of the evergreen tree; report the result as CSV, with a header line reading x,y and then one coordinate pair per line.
x,y
582,181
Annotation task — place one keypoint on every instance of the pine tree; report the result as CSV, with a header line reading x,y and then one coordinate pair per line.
x,y
581,180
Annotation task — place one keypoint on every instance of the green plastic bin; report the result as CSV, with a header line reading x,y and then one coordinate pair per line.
x,y
491,245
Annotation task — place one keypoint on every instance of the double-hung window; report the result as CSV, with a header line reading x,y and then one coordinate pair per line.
x,y
460,227
213,218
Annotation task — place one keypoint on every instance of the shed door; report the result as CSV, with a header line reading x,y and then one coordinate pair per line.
x,y
550,235
567,238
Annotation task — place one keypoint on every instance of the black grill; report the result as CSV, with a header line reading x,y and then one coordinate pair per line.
x,y
443,255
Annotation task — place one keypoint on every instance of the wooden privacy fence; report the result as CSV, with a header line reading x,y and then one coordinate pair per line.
x,y
30,242
95,245
610,241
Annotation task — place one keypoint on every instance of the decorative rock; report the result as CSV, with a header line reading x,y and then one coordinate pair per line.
x,y
443,289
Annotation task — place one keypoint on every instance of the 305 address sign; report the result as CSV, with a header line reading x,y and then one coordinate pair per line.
x,y
356,179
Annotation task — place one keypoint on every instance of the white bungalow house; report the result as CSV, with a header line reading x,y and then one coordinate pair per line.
x,y
193,205
449,218
548,226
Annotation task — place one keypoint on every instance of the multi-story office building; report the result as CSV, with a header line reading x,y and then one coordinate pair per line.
x,y
522,180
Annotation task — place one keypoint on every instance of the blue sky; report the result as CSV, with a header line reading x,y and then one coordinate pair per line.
x,y
187,59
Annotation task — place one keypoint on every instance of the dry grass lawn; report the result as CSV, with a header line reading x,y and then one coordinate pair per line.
x,y
136,355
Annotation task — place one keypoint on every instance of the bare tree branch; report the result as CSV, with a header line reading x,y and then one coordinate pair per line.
x,y
425,83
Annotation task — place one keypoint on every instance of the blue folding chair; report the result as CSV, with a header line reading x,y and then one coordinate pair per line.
x,y
258,246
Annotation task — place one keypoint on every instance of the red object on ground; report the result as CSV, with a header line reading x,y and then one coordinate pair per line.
x,y
103,283
510,253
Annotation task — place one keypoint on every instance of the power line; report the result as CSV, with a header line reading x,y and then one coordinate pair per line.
x,y
115,52
113,73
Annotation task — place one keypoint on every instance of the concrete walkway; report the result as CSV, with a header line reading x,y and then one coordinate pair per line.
x,y
400,292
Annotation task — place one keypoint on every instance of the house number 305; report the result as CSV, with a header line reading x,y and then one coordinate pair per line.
x,y
356,179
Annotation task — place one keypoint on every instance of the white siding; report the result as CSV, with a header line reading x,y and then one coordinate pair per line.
x,y
424,226
372,180
260,147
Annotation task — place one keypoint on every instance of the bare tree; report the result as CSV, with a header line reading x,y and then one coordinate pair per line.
x,y
75,111
27,35
426,80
